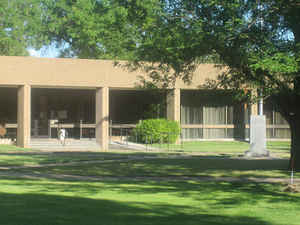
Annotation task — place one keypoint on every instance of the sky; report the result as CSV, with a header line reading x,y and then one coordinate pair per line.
x,y
43,53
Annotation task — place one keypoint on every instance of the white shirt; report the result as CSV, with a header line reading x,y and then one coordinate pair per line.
x,y
62,134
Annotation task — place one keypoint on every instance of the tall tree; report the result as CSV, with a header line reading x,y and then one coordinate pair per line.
x,y
258,41
20,24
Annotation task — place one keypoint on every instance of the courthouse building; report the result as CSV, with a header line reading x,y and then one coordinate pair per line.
x,y
39,95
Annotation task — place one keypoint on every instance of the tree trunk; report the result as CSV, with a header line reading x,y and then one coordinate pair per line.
x,y
288,105
295,142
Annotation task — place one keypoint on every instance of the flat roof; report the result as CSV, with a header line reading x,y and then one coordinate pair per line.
x,y
82,73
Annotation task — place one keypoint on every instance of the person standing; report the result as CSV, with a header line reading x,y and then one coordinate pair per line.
x,y
62,136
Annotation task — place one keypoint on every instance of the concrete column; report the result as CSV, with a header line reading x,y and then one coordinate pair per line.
x,y
24,116
173,105
102,117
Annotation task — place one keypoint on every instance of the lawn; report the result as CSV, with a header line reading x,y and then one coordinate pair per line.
x,y
16,156
196,166
233,147
50,202
211,164
10,148
173,189
40,158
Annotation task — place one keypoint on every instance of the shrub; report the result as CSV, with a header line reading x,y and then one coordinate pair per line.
x,y
156,131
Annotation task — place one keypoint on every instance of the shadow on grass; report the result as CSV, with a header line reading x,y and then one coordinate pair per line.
x,y
42,158
164,167
49,208
222,165
240,191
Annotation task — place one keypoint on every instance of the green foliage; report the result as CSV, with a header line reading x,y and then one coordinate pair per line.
x,y
157,131
20,26
154,111
96,29
175,36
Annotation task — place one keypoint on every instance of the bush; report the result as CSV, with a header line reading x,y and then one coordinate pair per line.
x,y
157,131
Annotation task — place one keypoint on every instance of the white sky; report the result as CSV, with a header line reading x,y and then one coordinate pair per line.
x,y
44,52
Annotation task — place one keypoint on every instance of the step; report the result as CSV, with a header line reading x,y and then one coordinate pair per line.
x,y
66,147
71,144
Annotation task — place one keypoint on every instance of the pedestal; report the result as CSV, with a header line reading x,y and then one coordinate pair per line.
x,y
258,145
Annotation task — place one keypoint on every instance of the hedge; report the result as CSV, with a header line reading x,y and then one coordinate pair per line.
x,y
157,131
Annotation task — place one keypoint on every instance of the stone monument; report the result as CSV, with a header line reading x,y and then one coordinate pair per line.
x,y
258,146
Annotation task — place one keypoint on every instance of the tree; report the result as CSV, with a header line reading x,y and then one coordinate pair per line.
x,y
20,26
95,29
259,43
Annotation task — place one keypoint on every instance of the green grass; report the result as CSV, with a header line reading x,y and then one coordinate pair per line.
x,y
233,147
212,164
216,146
15,156
199,146
39,158
9,148
200,166
279,146
50,202
127,201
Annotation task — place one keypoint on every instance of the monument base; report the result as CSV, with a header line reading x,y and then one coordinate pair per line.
x,y
257,151
257,137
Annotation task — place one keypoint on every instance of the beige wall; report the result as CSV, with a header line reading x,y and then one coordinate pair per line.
x,y
80,73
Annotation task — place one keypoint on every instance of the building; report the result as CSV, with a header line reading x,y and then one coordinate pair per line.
x,y
38,95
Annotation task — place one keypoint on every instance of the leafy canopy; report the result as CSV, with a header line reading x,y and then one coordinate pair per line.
x,y
258,43
20,26
96,29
